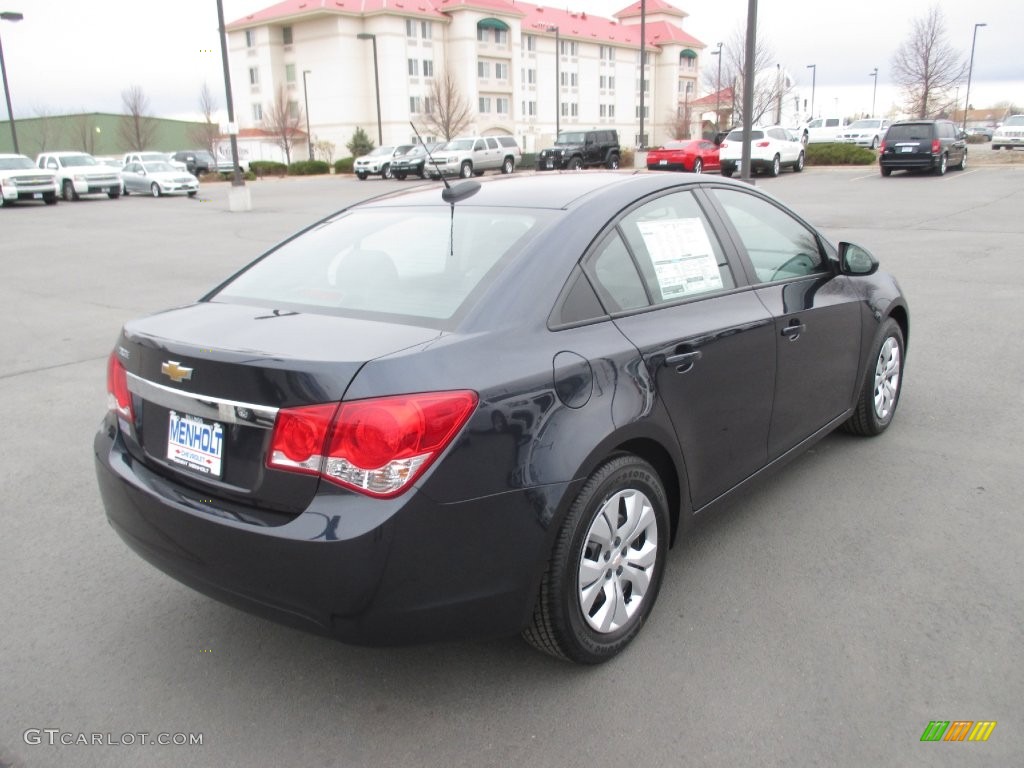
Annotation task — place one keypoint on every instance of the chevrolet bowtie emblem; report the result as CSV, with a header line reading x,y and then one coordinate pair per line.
x,y
177,373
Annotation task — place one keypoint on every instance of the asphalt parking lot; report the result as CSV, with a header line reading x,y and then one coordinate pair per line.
x,y
823,618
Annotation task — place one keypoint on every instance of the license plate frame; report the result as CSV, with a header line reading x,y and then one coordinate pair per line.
x,y
196,444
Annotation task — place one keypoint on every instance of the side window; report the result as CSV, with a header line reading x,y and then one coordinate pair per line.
x,y
779,246
676,249
492,143
614,275
479,146
51,163
832,122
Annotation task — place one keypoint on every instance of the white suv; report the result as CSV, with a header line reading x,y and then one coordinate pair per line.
x,y
1010,134
21,180
81,174
770,149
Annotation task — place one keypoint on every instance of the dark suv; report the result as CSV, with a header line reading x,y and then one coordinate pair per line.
x,y
922,145
196,161
581,149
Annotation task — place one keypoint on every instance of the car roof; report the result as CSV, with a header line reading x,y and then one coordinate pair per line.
x,y
560,190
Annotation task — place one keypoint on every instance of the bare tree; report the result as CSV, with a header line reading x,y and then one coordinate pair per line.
x,y
324,150
283,119
137,127
926,67
84,130
206,134
448,113
769,89
48,131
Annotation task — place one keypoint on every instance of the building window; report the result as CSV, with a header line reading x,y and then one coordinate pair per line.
x,y
611,110
289,73
530,42
501,71
607,53
254,76
647,110
414,67
574,109
485,105
428,68
410,28
481,34
501,105
286,35
646,58
564,106
570,48
530,76
428,107
483,69
501,37
570,79
426,30
293,109
250,38
257,112
530,108
647,85
603,110
415,104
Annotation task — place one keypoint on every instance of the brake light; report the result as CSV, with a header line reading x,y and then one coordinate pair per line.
x,y
119,399
936,146
378,446
761,144
723,145
881,146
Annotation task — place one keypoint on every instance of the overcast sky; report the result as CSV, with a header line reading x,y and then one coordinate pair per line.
x,y
72,55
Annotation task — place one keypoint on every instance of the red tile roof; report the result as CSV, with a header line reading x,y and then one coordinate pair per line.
x,y
575,25
653,6
259,133
724,97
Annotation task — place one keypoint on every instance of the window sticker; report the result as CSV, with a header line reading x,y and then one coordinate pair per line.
x,y
681,253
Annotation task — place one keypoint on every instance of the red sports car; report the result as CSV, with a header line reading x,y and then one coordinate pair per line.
x,y
696,155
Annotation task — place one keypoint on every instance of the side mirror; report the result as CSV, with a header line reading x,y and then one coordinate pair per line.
x,y
854,260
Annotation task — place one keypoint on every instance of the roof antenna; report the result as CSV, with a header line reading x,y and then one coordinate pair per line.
x,y
450,194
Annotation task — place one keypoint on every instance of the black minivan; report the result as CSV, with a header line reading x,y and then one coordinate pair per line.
x,y
923,145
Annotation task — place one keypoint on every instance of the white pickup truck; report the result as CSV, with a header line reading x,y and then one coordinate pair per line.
x,y
822,130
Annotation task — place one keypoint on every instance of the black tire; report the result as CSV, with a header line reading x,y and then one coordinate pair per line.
x,y
466,170
886,171
68,191
727,172
799,164
698,166
400,175
871,417
963,162
940,169
193,193
629,488
613,162
50,198
114,195
361,175
421,173
478,173
154,189
575,163
508,166
776,167
385,172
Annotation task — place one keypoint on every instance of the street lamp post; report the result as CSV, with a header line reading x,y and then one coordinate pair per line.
x,y
9,16
718,88
558,80
305,98
237,180
874,90
970,68
376,82
814,78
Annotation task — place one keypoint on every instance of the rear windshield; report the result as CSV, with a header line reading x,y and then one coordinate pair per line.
x,y
909,132
414,265
737,135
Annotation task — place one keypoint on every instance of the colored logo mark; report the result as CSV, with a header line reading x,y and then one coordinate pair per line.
x,y
958,730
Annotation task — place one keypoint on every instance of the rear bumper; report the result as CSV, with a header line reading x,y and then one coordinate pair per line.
x,y
916,163
378,572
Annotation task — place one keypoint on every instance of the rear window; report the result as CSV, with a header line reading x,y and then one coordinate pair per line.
x,y
415,265
737,135
910,132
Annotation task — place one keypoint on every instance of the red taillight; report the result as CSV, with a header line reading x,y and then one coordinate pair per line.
x,y
881,146
761,144
119,399
723,145
936,146
377,447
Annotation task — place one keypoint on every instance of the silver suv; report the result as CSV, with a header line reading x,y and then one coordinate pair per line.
x,y
472,155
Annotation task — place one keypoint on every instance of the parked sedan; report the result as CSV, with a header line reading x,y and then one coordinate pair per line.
x,y
695,155
864,133
490,409
412,162
771,149
156,177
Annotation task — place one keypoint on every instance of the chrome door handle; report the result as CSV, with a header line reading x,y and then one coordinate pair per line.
x,y
684,362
